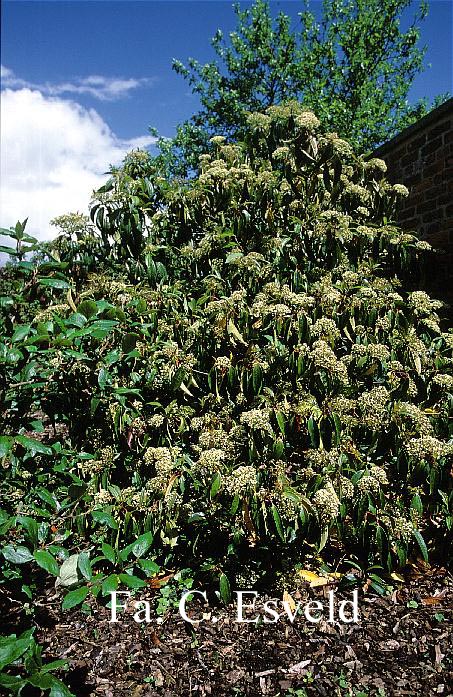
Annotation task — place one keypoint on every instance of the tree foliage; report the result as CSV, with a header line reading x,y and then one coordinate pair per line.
x,y
353,68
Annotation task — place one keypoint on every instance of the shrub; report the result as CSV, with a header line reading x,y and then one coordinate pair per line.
x,y
252,376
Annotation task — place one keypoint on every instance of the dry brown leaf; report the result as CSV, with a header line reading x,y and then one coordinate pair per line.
x,y
434,599
298,667
158,582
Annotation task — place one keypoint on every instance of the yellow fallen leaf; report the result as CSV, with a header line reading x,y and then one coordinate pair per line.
x,y
315,580
397,577
307,575
287,598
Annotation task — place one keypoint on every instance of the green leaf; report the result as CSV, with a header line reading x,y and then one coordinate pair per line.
x,y
149,566
215,484
59,689
105,519
6,443
108,552
54,283
34,446
281,421
87,308
225,589
142,544
109,584
68,571
11,647
234,331
84,565
21,332
422,544
278,522
75,597
47,562
132,581
17,554
129,342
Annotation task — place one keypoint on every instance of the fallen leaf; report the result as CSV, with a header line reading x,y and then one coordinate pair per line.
x,y
315,580
288,599
298,667
434,599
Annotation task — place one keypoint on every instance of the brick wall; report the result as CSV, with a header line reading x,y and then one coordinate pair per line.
x,y
421,157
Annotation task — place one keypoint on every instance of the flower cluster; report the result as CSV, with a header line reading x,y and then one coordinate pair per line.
x,y
327,504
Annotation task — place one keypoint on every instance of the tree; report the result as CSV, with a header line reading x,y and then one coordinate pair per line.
x,y
354,69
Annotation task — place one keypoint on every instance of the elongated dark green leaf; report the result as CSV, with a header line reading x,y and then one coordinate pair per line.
x,y
34,446
215,484
108,552
278,522
225,588
12,647
422,544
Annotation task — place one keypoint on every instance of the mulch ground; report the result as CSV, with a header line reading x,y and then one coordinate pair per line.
x,y
402,645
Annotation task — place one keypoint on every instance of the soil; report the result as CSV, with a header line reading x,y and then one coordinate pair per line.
x,y
401,645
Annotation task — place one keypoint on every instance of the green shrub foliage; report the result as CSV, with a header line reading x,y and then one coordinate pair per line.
x,y
237,364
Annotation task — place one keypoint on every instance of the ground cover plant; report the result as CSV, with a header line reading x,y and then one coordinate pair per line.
x,y
221,379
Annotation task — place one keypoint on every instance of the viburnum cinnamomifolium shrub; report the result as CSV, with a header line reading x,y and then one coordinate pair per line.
x,y
253,374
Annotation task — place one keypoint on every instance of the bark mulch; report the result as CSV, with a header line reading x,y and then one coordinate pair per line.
x,y
402,645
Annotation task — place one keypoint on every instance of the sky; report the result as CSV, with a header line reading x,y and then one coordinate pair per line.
x,y
83,81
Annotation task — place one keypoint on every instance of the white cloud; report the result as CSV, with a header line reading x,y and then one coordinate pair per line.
x,y
97,86
54,153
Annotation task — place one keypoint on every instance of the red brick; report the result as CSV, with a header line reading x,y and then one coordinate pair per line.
x,y
417,143
443,198
426,206
440,128
435,214
431,146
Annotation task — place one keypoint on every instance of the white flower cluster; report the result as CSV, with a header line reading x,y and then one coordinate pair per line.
x,y
324,357
163,459
445,382
211,460
325,328
101,464
102,498
243,478
222,363
257,420
400,190
422,303
368,485
156,421
346,488
327,504
373,405
307,120
376,164
379,473
428,446
418,420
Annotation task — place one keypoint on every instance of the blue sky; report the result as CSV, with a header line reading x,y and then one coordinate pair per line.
x,y
102,69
